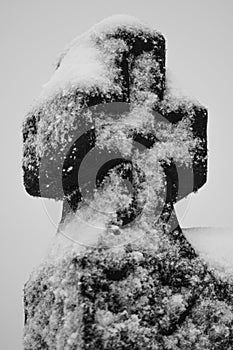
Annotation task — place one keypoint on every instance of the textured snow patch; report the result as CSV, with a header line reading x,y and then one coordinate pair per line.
x,y
109,25
83,64
214,244
112,23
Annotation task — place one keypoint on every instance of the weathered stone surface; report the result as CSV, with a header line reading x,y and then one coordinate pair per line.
x,y
136,60
142,296
155,293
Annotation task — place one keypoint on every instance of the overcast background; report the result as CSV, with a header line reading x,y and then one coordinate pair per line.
x,y
200,55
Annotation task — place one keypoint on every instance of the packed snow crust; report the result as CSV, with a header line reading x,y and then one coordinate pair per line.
x,y
106,26
83,65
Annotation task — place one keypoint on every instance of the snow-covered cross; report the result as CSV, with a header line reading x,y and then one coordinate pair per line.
x,y
107,118
118,63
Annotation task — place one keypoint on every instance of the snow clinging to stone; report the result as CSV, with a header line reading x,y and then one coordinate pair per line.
x,y
82,64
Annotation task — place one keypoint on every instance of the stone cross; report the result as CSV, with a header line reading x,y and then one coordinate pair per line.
x,y
154,293
134,58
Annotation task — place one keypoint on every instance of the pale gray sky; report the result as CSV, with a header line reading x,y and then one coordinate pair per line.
x,y
200,56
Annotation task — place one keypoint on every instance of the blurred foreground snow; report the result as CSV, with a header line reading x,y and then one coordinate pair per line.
x,y
214,244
